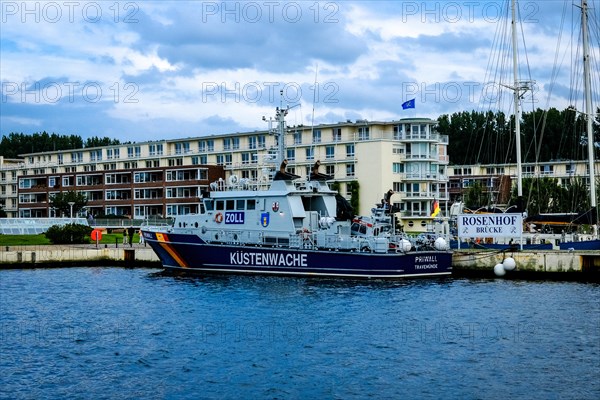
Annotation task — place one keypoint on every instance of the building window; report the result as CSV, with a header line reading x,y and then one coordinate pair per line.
x,y
528,169
349,150
316,136
134,151
220,159
398,132
245,158
96,155
337,134
397,168
261,141
235,143
77,157
182,148
570,169
310,153
330,170
252,142
349,169
155,149
291,154
330,152
363,133
297,137
227,144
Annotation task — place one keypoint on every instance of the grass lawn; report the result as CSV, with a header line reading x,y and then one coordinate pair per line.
x,y
37,240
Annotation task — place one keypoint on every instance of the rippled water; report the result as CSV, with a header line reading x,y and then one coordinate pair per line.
x,y
135,333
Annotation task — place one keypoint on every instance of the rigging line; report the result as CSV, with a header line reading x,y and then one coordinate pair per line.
x,y
553,76
533,114
493,74
556,70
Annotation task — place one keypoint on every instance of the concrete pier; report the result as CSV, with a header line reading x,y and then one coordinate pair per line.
x,y
82,255
529,263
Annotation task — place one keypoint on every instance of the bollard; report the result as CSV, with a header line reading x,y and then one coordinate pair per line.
x,y
33,257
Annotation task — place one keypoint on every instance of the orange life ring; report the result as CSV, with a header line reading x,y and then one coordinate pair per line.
x,y
219,218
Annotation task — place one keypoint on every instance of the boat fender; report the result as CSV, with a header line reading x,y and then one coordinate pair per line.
x,y
219,218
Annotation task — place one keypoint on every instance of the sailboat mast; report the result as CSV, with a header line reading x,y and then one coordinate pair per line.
x,y
588,102
517,110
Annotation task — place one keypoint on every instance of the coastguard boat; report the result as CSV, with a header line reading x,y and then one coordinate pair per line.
x,y
292,226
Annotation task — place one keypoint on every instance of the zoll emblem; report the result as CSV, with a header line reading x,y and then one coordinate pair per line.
x,y
275,206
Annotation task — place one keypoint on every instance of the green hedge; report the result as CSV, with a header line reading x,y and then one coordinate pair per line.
x,y
69,234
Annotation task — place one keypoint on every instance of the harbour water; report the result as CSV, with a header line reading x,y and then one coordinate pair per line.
x,y
137,333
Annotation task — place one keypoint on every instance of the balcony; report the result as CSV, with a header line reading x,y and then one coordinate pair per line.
x,y
422,176
417,195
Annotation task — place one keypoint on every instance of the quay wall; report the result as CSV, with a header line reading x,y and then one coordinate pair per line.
x,y
464,262
542,261
40,256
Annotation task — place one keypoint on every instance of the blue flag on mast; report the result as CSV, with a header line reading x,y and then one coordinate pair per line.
x,y
408,104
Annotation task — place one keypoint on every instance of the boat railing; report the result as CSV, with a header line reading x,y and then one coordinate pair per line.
x,y
313,240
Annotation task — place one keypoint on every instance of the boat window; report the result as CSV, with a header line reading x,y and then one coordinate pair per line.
x,y
220,205
207,206
251,204
239,204
230,205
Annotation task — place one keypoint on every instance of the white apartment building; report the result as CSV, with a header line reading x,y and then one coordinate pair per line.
x,y
142,179
500,179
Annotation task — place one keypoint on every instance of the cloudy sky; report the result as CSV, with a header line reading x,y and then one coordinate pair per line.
x,y
144,70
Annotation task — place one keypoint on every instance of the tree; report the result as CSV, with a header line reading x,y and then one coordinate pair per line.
x,y
100,142
14,144
541,195
475,197
61,202
355,193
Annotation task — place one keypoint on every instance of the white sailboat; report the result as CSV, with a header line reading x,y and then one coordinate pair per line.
x,y
534,239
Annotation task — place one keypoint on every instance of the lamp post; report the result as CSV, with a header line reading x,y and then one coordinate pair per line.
x,y
71,204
